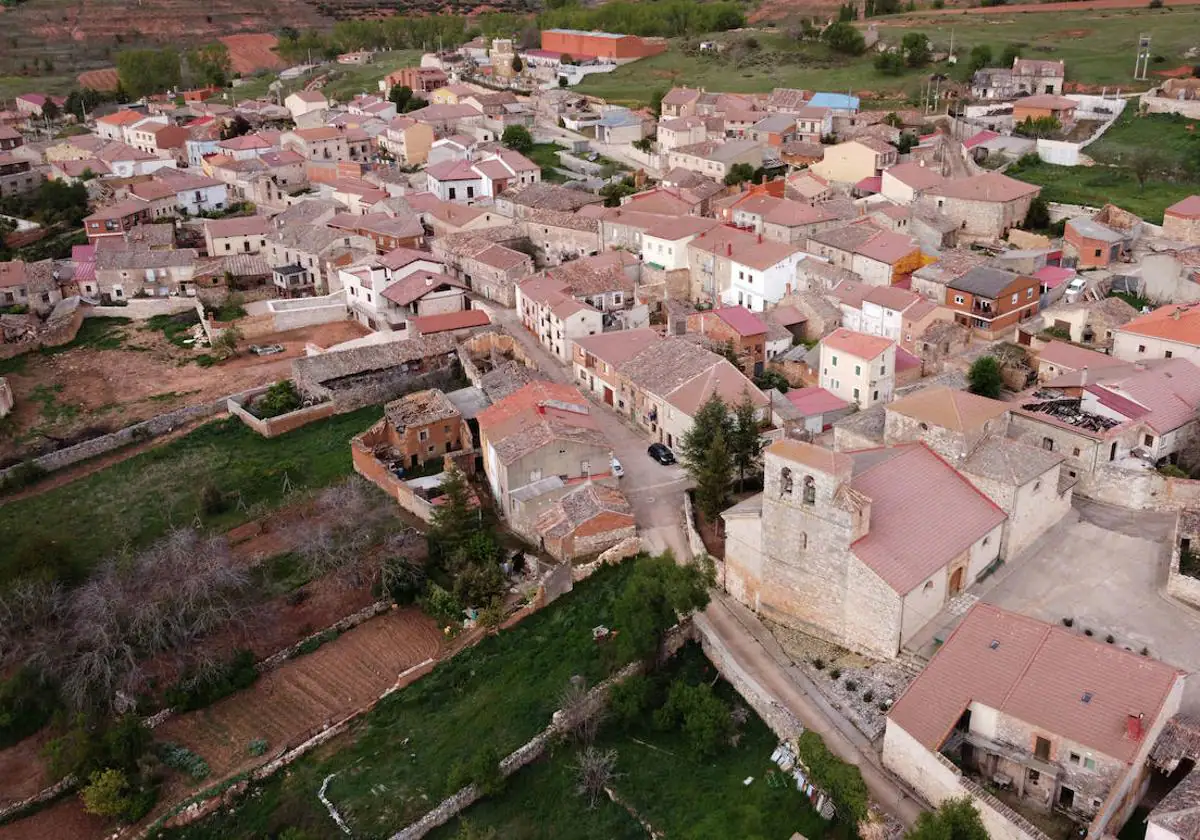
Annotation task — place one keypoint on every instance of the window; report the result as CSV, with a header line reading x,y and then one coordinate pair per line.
x,y
928,585
1041,748
833,360
876,397
470,192
1015,298
1074,758
986,540
1075,451
228,246
1096,253
1168,354
959,298
423,435
803,541
1033,777
810,490
1141,348
453,193
1029,293
1089,763
1148,440
1048,444
785,481
883,370
858,370
855,393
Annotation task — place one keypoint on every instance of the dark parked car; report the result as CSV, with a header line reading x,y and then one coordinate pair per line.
x,y
660,453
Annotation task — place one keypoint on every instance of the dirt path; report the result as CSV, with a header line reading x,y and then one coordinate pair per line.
x,y
1080,5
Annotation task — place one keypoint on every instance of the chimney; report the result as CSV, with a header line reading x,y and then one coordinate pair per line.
x,y
729,249
1133,726
760,239
1083,377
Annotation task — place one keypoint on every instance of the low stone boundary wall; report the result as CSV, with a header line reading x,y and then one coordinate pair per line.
x,y
142,309
695,544
307,312
282,424
145,430
41,797
1138,489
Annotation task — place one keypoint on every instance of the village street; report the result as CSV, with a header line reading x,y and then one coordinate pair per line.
x,y
656,494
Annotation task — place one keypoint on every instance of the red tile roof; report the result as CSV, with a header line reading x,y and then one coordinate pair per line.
x,y
1173,322
989,186
1188,208
1039,674
977,139
1053,276
811,401
743,321
900,546
856,344
428,324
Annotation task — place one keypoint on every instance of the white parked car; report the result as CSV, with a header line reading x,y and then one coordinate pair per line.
x,y
1075,289
617,469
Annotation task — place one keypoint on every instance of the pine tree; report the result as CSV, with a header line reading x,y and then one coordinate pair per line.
x,y
713,416
714,476
455,521
746,443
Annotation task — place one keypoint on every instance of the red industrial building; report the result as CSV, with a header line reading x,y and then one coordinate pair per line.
x,y
609,45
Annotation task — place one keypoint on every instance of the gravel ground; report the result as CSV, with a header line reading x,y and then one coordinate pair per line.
x,y
863,689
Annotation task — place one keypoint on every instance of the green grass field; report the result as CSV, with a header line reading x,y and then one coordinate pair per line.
x,y
345,80
132,503
1173,140
399,760
660,778
1098,47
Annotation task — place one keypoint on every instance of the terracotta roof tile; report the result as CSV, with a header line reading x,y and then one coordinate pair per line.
x,y
959,411
1038,673
856,344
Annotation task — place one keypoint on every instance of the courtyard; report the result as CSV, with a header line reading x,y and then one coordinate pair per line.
x,y
1104,569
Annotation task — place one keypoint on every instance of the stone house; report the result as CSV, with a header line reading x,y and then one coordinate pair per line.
x,y
778,219
18,176
487,266
916,320
1132,418
543,431
1060,721
470,180
561,236
1058,358
123,274
387,232
858,368
449,118
681,131
424,426
828,547
681,102
993,302
715,159
853,160
1093,323
584,521
970,431
622,228
880,257
321,143
1038,76
984,206
551,311
1171,331
736,327
305,102
315,249
31,284
1181,221
237,235
659,383
740,268
904,183
520,201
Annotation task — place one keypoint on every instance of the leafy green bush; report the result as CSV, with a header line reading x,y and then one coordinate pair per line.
x,y
702,715
184,760
840,780
257,747
193,691
441,605
482,770
280,398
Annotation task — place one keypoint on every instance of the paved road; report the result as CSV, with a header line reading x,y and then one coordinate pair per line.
x,y
656,494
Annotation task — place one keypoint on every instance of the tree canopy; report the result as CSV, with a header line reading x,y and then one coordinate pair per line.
x,y
984,377
656,594
518,138
146,71
844,38
956,819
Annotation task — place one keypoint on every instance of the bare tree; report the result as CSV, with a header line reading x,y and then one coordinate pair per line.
x,y
580,712
594,771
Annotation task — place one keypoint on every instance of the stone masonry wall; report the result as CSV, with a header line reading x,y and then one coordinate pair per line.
x,y
147,429
282,424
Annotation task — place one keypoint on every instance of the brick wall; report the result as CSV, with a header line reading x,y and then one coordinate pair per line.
x,y
284,423
376,472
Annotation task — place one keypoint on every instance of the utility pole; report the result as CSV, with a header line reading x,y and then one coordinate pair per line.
x,y
1141,66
